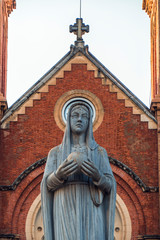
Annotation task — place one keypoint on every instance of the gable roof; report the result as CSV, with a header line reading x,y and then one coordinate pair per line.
x,y
101,70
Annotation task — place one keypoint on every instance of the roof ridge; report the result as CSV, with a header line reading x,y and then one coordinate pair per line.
x,y
73,51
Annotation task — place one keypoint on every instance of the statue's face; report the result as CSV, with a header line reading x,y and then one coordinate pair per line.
x,y
79,120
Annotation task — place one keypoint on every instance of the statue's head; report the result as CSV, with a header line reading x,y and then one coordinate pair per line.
x,y
79,121
79,118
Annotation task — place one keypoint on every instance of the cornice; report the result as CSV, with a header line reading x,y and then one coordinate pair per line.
x,y
9,236
147,6
151,237
134,176
10,5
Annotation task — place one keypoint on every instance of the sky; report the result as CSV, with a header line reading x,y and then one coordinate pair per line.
x,y
119,37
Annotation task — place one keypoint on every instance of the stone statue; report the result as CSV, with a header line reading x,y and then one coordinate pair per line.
x,y
78,190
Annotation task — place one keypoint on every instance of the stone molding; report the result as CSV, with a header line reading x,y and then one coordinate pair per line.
x,y
147,6
3,105
82,94
108,79
125,168
24,174
9,236
149,237
31,217
121,208
126,220
134,176
10,5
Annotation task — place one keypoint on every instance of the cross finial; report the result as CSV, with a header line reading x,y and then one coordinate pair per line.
x,y
79,28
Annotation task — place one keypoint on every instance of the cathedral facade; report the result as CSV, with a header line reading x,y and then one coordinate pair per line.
x,y
123,125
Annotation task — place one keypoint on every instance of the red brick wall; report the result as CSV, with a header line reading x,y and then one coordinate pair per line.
x,y
123,135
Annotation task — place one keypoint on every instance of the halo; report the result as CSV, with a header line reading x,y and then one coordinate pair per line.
x,y
77,100
69,98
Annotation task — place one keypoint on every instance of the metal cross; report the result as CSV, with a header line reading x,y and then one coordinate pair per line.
x,y
79,28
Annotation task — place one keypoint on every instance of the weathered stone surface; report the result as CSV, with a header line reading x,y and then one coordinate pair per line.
x,y
78,186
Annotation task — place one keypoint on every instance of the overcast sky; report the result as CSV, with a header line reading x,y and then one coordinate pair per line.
x,y
39,37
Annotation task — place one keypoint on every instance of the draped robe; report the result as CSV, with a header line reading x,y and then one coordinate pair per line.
x,y
78,208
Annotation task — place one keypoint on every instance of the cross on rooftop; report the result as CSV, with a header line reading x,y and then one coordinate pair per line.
x,y
79,28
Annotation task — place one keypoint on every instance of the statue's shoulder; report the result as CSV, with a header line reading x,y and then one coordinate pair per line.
x,y
101,149
54,151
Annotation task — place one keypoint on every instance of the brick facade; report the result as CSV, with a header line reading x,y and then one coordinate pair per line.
x,y
128,131
124,136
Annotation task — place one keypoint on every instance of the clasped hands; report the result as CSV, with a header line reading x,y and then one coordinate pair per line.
x,y
69,167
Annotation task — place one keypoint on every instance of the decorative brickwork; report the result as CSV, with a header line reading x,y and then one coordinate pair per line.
x,y
125,127
127,136
52,80
115,162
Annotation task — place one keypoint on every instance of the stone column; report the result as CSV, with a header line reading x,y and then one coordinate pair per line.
x,y
152,7
6,7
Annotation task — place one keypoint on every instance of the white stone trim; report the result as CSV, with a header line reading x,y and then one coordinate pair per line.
x,y
78,93
31,216
80,59
125,217
120,207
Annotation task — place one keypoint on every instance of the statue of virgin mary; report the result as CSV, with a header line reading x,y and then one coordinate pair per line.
x,y
78,190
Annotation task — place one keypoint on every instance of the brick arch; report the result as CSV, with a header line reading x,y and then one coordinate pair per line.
x,y
25,197
29,188
113,161
131,194
34,220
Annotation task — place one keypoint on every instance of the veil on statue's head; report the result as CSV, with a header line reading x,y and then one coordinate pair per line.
x,y
62,152
90,141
